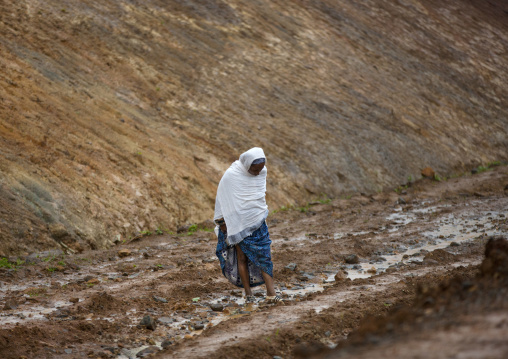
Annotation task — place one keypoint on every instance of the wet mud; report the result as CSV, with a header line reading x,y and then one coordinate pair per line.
x,y
356,274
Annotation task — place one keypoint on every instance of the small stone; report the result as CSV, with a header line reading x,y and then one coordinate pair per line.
x,y
340,276
352,259
428,172
454,244
166,343
124,253
58,231
160,299
199,326
147,351
148,322
183,229
291,266
217,307
372,270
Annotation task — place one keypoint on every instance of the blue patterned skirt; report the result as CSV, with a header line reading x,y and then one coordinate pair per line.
x,y
257,249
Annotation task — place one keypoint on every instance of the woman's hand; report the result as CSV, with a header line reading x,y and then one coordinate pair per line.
x,y
222,225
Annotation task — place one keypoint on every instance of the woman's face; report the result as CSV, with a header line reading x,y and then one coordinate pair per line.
x,y
256,169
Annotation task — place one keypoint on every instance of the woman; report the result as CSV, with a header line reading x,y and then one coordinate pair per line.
x,y
243,244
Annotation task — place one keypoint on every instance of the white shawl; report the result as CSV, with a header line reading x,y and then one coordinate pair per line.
x,y
241,197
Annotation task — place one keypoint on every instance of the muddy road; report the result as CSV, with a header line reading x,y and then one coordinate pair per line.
x,y
341,265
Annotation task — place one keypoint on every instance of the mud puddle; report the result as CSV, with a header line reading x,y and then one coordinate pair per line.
x,y
450,231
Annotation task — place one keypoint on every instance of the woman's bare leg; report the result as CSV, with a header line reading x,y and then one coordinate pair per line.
x,y
270,290
243,270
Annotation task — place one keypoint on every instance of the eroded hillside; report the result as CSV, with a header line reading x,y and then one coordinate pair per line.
x,y
119,116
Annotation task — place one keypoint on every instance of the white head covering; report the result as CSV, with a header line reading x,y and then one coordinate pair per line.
x,y
241,197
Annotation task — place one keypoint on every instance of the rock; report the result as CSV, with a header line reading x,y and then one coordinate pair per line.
x,y
166,343
217,307
117,239
402,200
454,244
148,322
439,256
372,270
160,299
428,172
124,252
147,351
199,326
352,259
58,231
340,276
291,266
183,229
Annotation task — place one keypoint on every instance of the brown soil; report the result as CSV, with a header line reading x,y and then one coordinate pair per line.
x,y
451,302
120,116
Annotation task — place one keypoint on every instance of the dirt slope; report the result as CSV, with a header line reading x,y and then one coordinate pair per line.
x,y
120,116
